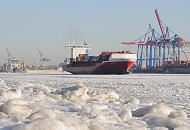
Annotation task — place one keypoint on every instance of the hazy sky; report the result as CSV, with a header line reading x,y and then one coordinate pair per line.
x,y
26,25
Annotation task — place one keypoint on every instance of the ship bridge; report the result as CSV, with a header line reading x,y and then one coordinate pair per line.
x,y
78,48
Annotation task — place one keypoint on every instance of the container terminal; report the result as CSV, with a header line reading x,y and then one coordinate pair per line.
x,y
164,52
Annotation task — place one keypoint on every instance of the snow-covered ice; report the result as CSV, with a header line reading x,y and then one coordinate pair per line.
x,y
59,101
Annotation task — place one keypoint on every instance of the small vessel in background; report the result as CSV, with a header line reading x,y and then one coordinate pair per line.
x,y
13,65
108,62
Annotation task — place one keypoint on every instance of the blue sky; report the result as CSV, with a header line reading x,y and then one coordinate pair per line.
x,y
26,25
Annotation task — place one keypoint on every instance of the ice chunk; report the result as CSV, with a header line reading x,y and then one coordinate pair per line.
x,y
4,119
134,101
100,106
178,114
2,82
6,95
183,128
78,92
137,128
92,92
96,112
101,119
85,109
109,97
125,115
159,109
156,121
42,88
133,104
136,124
43,113
16,102
96,127
159,128
72,120
40,124
46,91
164,122
18,110
80,127
28,84
141,111
174,123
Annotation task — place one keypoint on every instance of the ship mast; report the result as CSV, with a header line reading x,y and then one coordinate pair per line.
x,y
8,55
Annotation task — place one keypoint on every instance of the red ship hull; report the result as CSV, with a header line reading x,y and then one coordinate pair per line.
x,y
106,67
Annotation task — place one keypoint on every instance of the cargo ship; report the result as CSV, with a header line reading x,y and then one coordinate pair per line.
x,y
107,62
177,67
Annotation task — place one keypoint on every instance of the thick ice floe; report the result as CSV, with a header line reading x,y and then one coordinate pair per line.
x,y
40,124
125,115
77,92
2,82
6,95
159,109
108,97
70,102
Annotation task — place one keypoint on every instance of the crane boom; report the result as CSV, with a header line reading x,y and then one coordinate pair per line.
x,y
160,24
40,53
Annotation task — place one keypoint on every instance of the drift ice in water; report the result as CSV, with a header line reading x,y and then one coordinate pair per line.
x,y
52,102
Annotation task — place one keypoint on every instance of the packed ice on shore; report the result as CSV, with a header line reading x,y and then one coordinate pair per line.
x,y
69,102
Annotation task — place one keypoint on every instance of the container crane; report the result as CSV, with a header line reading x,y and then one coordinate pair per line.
x,y
155,49
43,59
172,43
160,24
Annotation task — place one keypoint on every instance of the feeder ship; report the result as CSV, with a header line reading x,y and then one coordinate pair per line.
x,y
105,63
